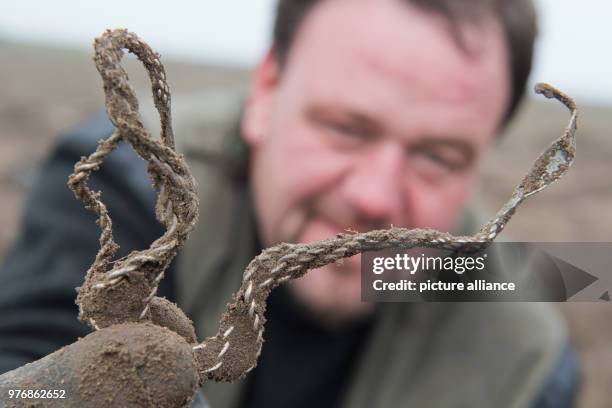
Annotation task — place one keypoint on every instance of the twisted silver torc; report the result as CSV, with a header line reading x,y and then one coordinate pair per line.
x,y
132,282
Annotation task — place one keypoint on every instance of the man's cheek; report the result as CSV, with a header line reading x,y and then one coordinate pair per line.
x,y
431,207
314,170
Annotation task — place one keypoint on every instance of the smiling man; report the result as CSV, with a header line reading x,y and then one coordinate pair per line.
x,y
379,115
362,115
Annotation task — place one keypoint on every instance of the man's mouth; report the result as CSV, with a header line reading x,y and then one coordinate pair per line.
x,y
319,228
324,228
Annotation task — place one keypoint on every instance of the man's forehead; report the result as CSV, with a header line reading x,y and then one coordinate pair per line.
x,y
394,36
393,44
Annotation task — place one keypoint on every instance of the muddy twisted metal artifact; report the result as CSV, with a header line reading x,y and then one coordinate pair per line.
x,y
148,341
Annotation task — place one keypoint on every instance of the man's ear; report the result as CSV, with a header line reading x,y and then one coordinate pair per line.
x,y
260,100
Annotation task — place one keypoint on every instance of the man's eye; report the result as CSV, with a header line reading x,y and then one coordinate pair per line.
x,y
345,129
437,158
440,160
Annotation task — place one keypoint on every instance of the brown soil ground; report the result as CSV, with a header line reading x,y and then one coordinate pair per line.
x,y
45,91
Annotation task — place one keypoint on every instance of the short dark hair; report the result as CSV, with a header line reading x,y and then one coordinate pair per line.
x,y
518,19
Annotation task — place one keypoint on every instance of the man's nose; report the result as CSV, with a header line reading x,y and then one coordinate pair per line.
x,y
374,186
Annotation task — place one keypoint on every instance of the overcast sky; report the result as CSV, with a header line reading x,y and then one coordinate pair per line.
x,y
574,49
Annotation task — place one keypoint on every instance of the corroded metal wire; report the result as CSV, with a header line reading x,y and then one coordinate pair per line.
x,y
177,204
234,350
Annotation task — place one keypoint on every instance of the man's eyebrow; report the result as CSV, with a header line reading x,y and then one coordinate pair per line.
x,y
359,120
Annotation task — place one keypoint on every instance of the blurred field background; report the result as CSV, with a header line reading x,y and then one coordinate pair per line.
x,y
44,91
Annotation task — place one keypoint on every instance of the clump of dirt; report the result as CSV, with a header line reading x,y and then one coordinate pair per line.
x,y
136,365
126,365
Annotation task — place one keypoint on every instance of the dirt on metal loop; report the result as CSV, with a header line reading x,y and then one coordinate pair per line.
x,y
107,297
125,291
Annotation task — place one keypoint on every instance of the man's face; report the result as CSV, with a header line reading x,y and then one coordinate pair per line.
x,y
378,118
